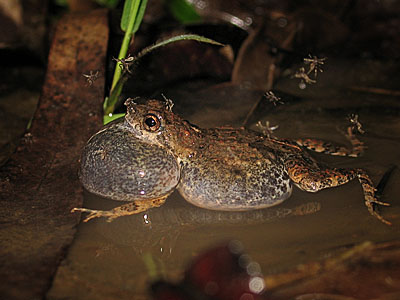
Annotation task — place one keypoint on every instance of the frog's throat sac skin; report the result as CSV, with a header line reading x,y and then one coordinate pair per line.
x,y
117,165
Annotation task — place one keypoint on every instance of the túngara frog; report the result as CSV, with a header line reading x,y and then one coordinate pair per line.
x,y
153,151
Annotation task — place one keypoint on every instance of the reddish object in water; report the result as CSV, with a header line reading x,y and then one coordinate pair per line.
x,y
221,273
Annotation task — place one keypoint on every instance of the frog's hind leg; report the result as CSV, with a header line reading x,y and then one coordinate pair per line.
x,y
131,208
313,179
356,150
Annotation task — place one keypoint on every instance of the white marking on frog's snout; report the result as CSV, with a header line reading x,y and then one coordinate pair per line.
x,y
141,173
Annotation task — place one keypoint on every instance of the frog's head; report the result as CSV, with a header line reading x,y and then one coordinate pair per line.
x,y
155,123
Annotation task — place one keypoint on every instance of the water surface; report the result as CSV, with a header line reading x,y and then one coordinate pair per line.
x,y
110,260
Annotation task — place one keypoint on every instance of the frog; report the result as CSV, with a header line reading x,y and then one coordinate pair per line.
x,y
224,168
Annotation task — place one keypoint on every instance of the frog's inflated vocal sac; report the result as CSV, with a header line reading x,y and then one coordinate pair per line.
x,y
153,151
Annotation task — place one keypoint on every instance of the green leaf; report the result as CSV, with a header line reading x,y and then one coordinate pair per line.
x,y
132,15
182,37
129,13
106,104
139,16
111,117
183,11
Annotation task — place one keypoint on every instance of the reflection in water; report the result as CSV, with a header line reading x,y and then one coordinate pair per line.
x,y
158,229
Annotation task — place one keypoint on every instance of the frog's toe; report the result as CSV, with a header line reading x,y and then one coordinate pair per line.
x,y
381,203
81,210
94,214
373,211
373,200
75,209
111,218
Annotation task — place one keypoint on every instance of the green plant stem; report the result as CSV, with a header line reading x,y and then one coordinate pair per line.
x,y
119,81
112,101
121,55
125,44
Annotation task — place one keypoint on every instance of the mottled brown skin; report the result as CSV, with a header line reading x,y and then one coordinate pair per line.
x,y
234,168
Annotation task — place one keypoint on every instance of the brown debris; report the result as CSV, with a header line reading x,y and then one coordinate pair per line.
x,y
366,271
39,184
259,56
257,64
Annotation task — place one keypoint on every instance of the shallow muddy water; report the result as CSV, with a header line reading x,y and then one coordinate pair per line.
x,y
118,260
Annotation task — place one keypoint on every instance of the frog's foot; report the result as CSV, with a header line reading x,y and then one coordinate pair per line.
x,y
332,149
371,205
370,197
131,208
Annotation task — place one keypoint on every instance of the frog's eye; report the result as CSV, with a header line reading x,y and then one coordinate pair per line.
x,y
151,122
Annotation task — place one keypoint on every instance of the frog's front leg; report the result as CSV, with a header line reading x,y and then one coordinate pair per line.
x,y
131,208
315,145
312,179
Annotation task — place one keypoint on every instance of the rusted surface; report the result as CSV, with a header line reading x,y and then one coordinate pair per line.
x,y
39,184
